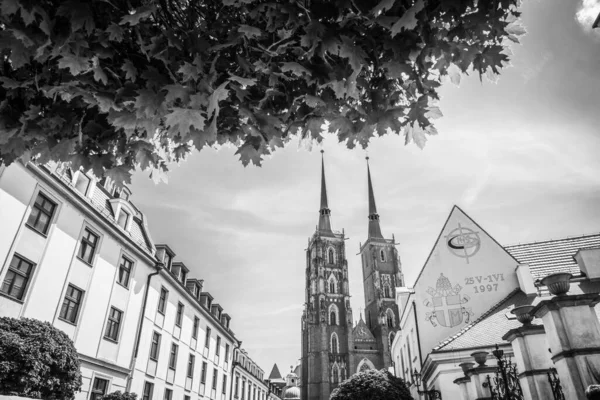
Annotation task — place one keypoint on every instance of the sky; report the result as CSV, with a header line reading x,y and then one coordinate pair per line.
x,y
520,156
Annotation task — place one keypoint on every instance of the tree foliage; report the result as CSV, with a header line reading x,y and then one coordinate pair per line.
x,y
115,85
118,395
37,360
372,385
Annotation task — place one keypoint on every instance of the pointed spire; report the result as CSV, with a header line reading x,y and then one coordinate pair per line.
x,y
324,220
374,228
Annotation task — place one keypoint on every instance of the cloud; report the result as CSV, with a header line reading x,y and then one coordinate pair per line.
x,y
587,14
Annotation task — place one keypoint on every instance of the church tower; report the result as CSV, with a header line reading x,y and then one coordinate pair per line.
x,y
381,275
327,317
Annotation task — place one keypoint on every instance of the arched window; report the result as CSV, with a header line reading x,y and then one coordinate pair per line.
x,y
333,315
330,256
390,318
392,336
382,255
335,372
332,286
334,343
386,291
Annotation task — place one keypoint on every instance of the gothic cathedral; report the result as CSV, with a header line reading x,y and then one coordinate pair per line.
x,y
333,348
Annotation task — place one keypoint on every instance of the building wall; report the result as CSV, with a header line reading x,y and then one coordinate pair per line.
x,y
158,373
249,376
56,265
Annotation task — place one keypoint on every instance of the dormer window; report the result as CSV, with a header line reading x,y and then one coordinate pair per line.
x,y
123,220
168,261
82,183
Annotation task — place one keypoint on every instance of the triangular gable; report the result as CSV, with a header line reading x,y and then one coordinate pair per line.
x,y
275,374
466,273
362,333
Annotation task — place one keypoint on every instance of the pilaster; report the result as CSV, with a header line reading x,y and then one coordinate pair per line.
x,y
477,378
573,333
531,356
463,385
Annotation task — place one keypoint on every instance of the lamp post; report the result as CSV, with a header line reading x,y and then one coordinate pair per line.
x,y
429,394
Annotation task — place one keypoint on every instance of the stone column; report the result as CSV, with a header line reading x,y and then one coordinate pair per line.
x,y
477,377
573,333
532,358
463,383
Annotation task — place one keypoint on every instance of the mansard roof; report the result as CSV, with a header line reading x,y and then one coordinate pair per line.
x,y
552,256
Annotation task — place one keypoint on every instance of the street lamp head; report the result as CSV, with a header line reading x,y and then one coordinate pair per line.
x,y
416,378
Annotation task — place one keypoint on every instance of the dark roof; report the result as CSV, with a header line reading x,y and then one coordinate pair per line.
x,y
489,328
275,374
552,256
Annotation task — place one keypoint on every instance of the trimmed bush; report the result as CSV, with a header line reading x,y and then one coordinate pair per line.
x,y
372,385
37,360
118,395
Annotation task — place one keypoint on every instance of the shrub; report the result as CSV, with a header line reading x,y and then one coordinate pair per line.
x,y
119,396
593,392
372,385
38,360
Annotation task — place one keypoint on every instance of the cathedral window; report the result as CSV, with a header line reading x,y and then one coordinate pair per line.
x,y
382,255
386,291
334,343
333,315
335,373
331,286
392,336
330,256
390,318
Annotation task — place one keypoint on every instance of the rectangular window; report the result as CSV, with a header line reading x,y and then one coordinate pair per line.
x,y
215,376
89,241
218,349
237,383
148,389
155,346
195,328
186,397
71,304
82,183
162,301
99,388
203,374
168,394
207,340
125,271
224,384
190,368
17,277
123,219
179,317
41,214
243,388
113,324
173,356
226,352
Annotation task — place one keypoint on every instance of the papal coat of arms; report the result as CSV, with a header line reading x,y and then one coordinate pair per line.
x,y
447,303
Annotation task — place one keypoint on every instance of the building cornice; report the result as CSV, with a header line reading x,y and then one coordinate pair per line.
x,y
90,211
207,314
103,363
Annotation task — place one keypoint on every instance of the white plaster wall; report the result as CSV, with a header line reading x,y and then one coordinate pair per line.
x,y
487,277
190,310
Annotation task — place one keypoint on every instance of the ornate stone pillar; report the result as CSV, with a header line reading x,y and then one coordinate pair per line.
x,y
477,378
573,333
532,358
463,383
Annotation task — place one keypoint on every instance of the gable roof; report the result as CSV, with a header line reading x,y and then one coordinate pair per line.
x,y
488,329
552,256
362,333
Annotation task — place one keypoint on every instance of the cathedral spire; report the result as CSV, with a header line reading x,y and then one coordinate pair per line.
x,y
374,228
324,212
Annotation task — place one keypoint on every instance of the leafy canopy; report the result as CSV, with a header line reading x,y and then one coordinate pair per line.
x,y
372,385
38,360
116,85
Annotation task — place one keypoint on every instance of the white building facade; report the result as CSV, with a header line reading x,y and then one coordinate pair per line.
x,y
77,253
249,383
